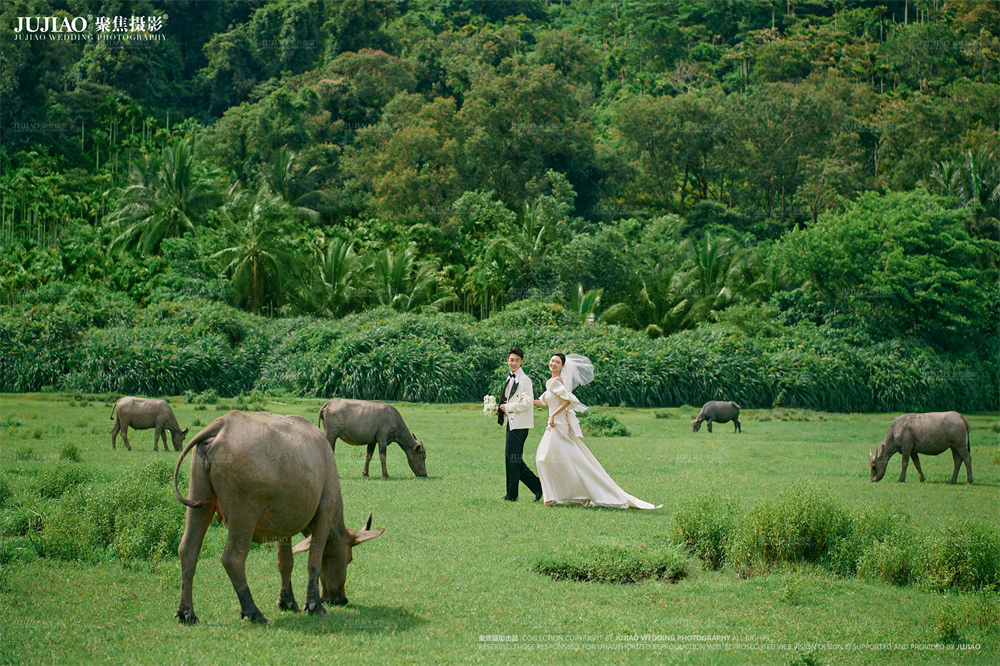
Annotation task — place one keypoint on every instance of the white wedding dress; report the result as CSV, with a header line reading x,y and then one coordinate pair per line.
x,y
569,472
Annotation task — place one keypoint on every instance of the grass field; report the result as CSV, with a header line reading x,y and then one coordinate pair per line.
x,y
453,573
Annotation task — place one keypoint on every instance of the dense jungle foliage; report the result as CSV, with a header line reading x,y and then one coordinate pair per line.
x,y
784,203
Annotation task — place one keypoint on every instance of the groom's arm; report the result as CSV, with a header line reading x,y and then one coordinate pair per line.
x,y
523,399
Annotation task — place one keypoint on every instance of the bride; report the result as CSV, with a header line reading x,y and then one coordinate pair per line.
x,y
569,472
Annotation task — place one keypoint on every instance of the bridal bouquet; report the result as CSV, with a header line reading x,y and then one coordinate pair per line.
x,y
489,405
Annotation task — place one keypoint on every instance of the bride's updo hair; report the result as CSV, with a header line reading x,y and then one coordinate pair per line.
x,y
562,357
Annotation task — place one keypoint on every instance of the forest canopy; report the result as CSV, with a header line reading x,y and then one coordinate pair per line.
x,y
661,168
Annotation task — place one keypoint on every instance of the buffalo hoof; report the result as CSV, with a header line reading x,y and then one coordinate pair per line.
x,y
316,608
288,605
186,616
255,616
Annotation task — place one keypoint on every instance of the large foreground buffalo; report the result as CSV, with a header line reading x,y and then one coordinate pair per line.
x,y
269,477
928,434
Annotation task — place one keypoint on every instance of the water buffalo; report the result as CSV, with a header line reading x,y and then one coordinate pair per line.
x,y
145,413
367,423
716,411
269,477
928,434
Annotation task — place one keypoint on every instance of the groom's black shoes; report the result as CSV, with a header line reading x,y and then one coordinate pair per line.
x,y
538,497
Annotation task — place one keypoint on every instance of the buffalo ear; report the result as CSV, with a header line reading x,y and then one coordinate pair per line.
x,y
185,431
303,546
368,525
419,448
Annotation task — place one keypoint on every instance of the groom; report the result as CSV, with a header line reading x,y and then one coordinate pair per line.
x,y
516,412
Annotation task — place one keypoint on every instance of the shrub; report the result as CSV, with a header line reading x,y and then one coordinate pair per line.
x,y
67,534
704,525
69,451
894,560
962,556
616,564
797,525
134,518
869,526
604,425
55,480
206,397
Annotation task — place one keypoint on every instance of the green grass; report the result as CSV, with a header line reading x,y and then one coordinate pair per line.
x,y
456,564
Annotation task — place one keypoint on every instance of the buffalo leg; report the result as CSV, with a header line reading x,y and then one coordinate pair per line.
x,y
156,439
906,461
916,463
965,457
234,559
368,458
128,446
114,432
321,531
709,422
382,446
195,528
736,426
286,600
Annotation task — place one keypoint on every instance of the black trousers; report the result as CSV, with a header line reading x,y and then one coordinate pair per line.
x,y
517,471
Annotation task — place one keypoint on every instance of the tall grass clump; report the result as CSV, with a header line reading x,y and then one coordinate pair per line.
x,y
55,480
134,518
603,425
704,525
798,525
963,556
870,527
616,564
69,451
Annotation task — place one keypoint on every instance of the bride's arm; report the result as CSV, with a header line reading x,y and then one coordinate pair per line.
x,y
557,411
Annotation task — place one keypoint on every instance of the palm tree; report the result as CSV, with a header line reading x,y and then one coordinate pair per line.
x,y
974,182
400,282
527,245
165,199
294,184
259,262
337,277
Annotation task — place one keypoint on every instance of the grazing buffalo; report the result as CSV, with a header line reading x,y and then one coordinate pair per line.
x,y
269,477
928,434
145,413
716,411
367,423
